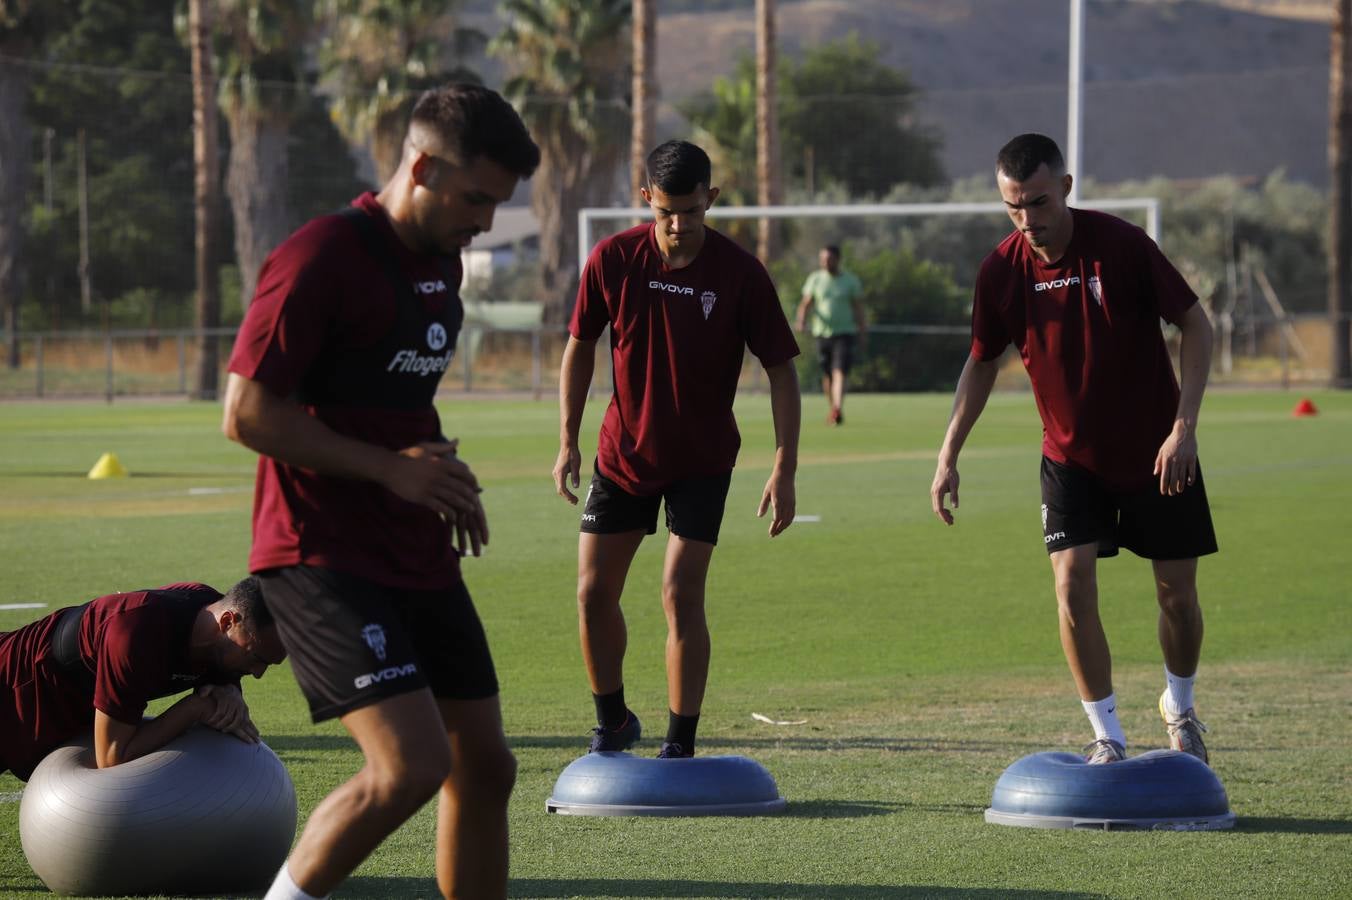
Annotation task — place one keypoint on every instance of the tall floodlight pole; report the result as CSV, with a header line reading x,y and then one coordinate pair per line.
x,y
1075,104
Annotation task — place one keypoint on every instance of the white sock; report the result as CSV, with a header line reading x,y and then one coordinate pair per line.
x,y
1178,693
284,887
1103,716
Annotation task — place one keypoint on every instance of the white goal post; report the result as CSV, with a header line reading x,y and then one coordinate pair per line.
x,y
586,216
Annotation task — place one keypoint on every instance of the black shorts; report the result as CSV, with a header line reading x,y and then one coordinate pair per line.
x,y
353,642
694,507
835,352
1078,508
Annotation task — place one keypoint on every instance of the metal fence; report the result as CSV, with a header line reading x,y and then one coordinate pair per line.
x,y
1259,351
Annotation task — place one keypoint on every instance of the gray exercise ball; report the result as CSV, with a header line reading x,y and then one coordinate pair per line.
x,y
206,814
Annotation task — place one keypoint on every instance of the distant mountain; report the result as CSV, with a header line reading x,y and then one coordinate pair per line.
x,y
1179,88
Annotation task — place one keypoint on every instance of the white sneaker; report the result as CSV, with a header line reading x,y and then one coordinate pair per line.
x,y
1104,750
1185,731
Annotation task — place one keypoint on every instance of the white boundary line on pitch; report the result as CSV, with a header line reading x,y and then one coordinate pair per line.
x,y
14,797
23,605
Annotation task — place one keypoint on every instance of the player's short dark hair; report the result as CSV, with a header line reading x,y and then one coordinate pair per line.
x,y
246,599
472,121
678,168
833,249
1022,156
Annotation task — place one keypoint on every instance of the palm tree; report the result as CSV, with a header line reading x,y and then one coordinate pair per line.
x,y
767,131
379,55
206,196
1340,193
260,55
644,87
568,67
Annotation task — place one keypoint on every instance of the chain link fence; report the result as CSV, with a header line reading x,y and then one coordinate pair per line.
x,y
1255,351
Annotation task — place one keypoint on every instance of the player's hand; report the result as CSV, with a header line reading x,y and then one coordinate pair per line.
x,y
431,475
469,531
1176,462
945,482
779,495
226,711
568,469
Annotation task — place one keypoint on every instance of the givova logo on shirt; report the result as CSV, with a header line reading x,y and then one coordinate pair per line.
x,y
1056,283
672,288
436,286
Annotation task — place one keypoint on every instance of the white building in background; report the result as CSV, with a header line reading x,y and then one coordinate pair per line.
x,y
515,231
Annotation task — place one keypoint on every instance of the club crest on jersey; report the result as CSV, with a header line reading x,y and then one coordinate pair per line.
x,y
707,300
1096,288
436,336
374,636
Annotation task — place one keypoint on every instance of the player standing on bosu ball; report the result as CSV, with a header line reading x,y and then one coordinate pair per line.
x,y
1080,294
682,303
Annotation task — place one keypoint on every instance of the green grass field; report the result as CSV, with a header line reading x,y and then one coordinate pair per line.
x,y
924,658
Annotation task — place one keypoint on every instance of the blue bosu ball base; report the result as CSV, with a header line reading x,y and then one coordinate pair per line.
x,y
620,784
1161,790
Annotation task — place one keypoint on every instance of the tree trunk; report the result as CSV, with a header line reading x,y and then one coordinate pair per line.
x,y
644,89
558,191
1340,194
257,184
767,126
573,173
14,166
206,197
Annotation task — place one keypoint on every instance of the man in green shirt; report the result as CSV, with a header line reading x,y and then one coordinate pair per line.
x,y
831,295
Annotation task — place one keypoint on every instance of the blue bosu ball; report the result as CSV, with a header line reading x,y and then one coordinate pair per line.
x,y
620,784
1162,789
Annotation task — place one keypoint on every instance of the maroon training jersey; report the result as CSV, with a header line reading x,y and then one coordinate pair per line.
x,y
360,340
677,342
1087,327
133,648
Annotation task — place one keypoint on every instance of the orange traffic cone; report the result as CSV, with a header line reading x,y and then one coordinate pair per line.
x,y
1305,408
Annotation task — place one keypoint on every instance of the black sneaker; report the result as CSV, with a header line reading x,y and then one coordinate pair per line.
x,y
622,738
673,750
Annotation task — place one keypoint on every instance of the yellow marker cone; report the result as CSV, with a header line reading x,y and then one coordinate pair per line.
x,y
108,466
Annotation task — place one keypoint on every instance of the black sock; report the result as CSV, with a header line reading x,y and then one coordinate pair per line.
x,y
610,709
681,730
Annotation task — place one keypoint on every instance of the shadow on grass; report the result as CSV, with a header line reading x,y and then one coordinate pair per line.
x,y
375,887
803,742
707,746
21,885
1281,825
857,809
